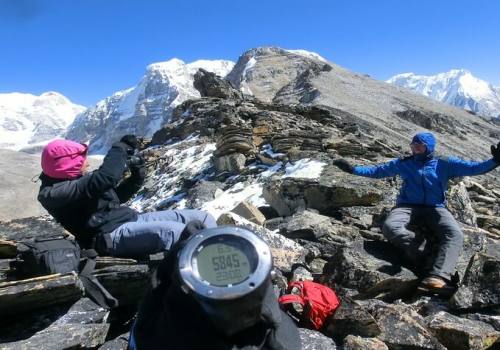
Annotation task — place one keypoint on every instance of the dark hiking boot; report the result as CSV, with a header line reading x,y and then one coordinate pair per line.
x,y
436,285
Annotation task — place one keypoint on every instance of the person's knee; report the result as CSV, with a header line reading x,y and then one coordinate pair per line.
x,y
455,234
391,230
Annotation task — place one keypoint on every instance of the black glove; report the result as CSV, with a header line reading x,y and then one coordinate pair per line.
x,y
495,152
192,227
344,165
131,141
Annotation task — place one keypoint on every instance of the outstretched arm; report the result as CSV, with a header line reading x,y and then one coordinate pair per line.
x,y
459,167
389,169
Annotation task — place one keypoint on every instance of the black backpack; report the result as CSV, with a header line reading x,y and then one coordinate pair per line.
x,y
48,255
51,255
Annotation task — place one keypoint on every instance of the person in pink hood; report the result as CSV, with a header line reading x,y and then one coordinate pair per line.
x,y
90,204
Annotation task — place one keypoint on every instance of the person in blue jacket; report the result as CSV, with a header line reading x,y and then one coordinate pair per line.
x,y
422,200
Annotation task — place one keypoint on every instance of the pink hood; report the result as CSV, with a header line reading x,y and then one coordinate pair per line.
x,y
63,159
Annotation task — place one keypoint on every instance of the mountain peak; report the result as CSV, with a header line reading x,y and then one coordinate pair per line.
x,y
27,119
457,87
142,109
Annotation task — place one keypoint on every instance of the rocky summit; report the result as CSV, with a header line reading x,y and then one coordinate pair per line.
x,y
256,149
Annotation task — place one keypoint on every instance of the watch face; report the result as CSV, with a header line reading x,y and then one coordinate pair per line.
x,y
225,262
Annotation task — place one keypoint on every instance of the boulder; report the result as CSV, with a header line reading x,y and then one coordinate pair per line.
x,y
249,212
480,287
461,334
285,251
119,343
232,163
201,192
352,342
403,328
488,222
301,274
234,138
211,85
288,195
83,326
308,225
313,340
366,264
29,228
460,204
351,318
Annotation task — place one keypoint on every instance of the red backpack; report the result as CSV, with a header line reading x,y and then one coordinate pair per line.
x,y
318,302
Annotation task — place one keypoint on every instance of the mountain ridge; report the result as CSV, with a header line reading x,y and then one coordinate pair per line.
x,y
27,120
457,87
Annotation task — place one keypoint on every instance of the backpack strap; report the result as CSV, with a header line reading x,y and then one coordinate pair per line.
x,y
93,288
291,298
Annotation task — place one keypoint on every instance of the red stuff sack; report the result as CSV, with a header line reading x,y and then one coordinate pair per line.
x,y
318,302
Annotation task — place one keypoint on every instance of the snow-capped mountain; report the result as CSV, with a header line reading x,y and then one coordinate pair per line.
x,y
27,120
142,109
457,87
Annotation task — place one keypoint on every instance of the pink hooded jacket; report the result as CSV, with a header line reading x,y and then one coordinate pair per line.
x,y
63,159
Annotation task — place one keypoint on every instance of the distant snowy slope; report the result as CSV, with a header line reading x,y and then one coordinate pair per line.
x,y
142,109
457,87
27,119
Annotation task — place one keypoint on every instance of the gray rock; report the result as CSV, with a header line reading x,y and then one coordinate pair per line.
x,y
352,342
326,195
351,318
480,287
210,85
403,328
249,212
462,334
493,320
84,311
232,163
307,225
119,343
313,340
301,274
29,228
460,204
317,265
203,191
83,326
367,264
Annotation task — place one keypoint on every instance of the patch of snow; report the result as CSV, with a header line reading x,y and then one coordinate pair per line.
x,y
272,170
234,195
245,88
308,54
304,168
268,149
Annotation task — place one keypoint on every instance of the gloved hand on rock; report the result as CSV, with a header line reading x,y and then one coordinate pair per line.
x,y
137,165
344,165
131,141
495,152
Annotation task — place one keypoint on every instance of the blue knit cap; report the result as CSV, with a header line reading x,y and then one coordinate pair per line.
x,y
427,139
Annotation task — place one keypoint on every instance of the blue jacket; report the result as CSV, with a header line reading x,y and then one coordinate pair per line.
x,y
425,178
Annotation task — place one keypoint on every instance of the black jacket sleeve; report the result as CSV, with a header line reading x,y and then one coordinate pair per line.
x,y
91,185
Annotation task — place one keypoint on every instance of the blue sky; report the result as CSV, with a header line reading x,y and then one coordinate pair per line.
x,y
88,49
